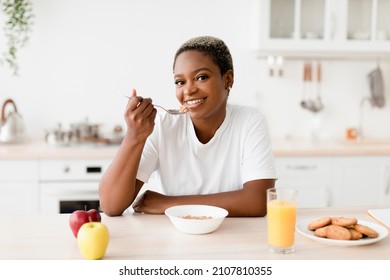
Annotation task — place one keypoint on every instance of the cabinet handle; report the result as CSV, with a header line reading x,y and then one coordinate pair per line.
x,y
66,169
94,169
386,176
302,167
332,26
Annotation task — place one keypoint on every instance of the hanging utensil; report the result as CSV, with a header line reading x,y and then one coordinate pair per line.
x,y
303,101
306,102
311,99
279,62
270,62
318,102
375,80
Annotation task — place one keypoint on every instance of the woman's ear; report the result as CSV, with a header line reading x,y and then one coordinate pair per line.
x,y
229,79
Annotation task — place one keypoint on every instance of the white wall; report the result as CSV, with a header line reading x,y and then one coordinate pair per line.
x,y
84,55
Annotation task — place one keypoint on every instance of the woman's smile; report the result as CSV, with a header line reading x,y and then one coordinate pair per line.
x,y
194,102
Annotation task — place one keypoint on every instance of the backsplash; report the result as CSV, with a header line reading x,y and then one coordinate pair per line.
x,y
344,85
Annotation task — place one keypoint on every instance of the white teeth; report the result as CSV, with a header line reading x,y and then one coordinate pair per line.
x,y
193,102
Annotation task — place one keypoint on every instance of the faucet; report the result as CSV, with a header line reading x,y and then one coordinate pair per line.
x,y
361,117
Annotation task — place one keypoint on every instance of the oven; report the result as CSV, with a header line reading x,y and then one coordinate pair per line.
x,y
69,185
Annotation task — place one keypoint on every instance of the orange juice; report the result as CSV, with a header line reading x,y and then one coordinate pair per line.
x,y
281,217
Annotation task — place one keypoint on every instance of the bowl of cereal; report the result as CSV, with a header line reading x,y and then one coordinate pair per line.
x,y
196,219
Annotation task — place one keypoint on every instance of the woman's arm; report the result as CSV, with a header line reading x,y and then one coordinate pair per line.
x,y
250,201
119,186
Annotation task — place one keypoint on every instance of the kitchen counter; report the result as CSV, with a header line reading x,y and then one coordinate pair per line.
x,y
41,150
299,147
153,237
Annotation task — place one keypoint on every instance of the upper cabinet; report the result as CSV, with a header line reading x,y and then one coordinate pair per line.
x,y
330,28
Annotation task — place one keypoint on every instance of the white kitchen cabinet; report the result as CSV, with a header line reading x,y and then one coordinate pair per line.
x,y
310,176
75,170
70,184
19,187
322,27
361,180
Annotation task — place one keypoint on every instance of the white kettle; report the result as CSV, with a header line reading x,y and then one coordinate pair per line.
x,y
12,128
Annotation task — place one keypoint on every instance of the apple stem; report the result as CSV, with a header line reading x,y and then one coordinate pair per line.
x,y
85,207
90,219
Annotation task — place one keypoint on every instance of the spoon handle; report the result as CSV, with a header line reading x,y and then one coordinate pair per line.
x,y
170,111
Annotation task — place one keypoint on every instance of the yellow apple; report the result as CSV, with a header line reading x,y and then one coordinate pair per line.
x,y
92,240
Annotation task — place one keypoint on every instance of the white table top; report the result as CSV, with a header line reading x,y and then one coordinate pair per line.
x,y
153,237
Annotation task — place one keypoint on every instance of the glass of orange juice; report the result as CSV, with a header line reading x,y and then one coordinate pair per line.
x,y
281,217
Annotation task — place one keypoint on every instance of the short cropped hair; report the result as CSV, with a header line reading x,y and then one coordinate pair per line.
x,y
212,47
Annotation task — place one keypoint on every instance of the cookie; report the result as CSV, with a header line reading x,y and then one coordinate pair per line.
x,y
344,222
320,232
355,235
319,223
341,228
365,230
337,232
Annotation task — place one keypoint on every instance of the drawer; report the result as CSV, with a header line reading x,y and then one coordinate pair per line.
x,y
290,167
18,170
72,170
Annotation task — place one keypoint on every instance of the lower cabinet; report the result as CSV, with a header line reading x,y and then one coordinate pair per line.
x,y
336,181
361,180
70,184
19,187
49,186
320,181
310,176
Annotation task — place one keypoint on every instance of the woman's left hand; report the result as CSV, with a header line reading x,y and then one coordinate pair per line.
x,y
150,202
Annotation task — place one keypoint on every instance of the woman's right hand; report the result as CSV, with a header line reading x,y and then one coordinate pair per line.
x,y
139,116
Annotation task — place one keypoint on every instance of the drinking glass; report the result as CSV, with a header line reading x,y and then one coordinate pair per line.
x,y
281,218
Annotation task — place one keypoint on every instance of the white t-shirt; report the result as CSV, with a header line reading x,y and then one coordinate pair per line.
x,y
240,151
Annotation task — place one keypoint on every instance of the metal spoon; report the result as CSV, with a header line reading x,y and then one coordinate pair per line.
x,y
170,111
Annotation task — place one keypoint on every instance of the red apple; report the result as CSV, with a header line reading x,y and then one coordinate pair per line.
x,y
80,217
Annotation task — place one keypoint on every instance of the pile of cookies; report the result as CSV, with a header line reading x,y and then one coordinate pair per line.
x,y
341,228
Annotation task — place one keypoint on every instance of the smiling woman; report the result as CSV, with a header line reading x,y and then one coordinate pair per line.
x,y
217,154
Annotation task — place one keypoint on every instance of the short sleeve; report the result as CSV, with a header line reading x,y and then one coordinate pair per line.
x,y
257,160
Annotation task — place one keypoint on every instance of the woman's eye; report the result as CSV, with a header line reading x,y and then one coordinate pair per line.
x,y
179,83
201,77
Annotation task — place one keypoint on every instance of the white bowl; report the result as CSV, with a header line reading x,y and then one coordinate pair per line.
x,y
215,217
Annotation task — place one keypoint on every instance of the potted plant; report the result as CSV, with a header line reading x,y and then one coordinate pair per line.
x,y
18,21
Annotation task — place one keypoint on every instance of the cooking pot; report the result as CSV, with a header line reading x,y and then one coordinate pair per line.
x,y
12,128
86,130
60,137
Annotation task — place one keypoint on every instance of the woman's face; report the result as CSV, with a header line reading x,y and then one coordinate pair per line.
x,y
200,86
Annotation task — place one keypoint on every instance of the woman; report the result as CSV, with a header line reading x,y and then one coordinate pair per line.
x,y
216,154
